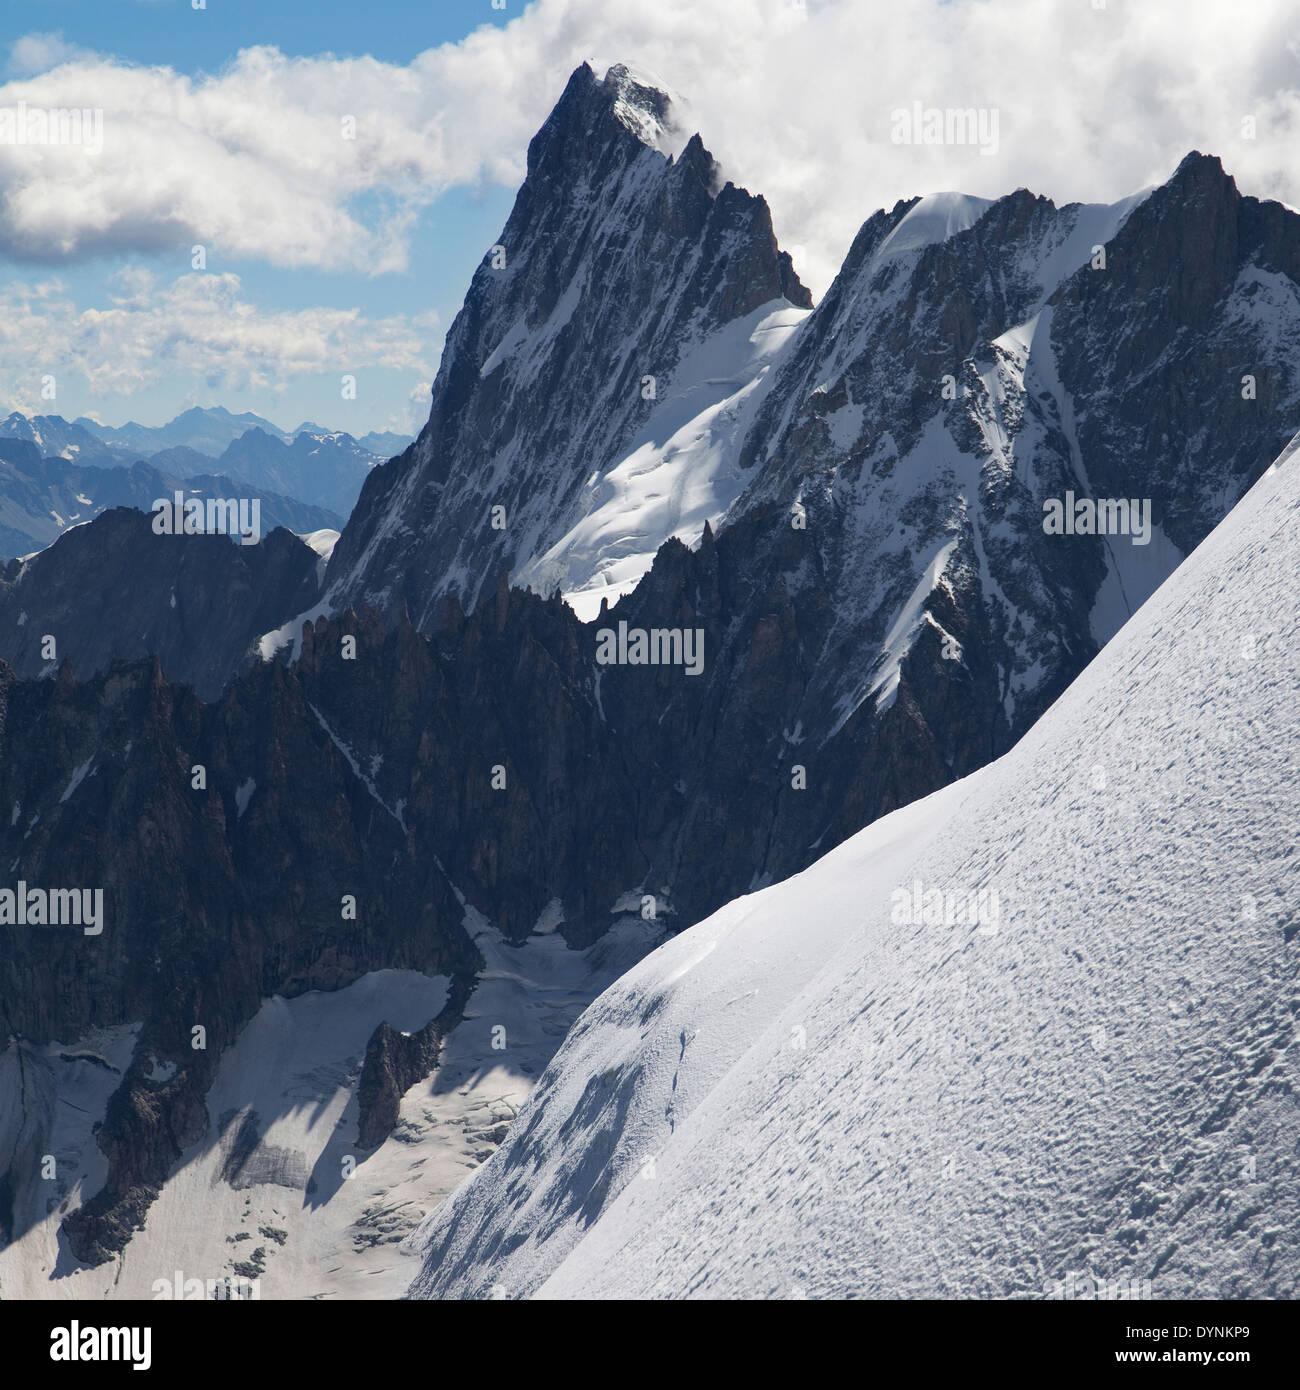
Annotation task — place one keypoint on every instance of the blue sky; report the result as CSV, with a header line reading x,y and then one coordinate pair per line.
x,y
447,239
172,33
328,254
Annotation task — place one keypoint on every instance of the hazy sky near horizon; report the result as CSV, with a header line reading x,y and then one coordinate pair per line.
x,y
225,127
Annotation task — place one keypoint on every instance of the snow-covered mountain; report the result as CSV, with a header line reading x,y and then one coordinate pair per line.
x,y
54,437
863,488
1143,351
610,345
1029,1037
882,613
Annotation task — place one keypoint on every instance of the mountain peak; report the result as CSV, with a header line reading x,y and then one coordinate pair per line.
x,y
617,205
1194,163
591,109
1201,177
645,109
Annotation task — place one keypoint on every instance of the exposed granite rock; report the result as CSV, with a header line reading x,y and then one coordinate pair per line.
x,y
199,603
395,1062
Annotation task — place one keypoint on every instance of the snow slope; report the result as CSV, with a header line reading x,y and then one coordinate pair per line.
x,y
809,1094
936,217
286,1084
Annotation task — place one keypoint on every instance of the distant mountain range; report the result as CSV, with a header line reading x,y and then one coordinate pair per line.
x,y
208,430
40,498
314,465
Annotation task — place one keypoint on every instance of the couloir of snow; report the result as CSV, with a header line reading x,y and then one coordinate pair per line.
x,y
808,1094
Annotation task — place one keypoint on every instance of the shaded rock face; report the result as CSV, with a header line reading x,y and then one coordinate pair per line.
x,y
198,603
1202,291
215,897
615,259
395,1062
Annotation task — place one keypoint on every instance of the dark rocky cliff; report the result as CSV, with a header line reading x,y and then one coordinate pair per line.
x,y
198,603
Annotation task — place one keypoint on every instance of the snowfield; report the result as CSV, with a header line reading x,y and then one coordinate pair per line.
x,y
269,1175
1087,1086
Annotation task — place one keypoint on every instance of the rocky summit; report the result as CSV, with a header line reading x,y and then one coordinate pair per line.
x,y
624,277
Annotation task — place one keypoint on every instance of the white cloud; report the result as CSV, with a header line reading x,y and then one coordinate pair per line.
x,y
794,99
35,53
411,418
197,326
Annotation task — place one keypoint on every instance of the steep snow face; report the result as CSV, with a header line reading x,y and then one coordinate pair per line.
x,y
678,473
1028,1037
933,218
603,357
